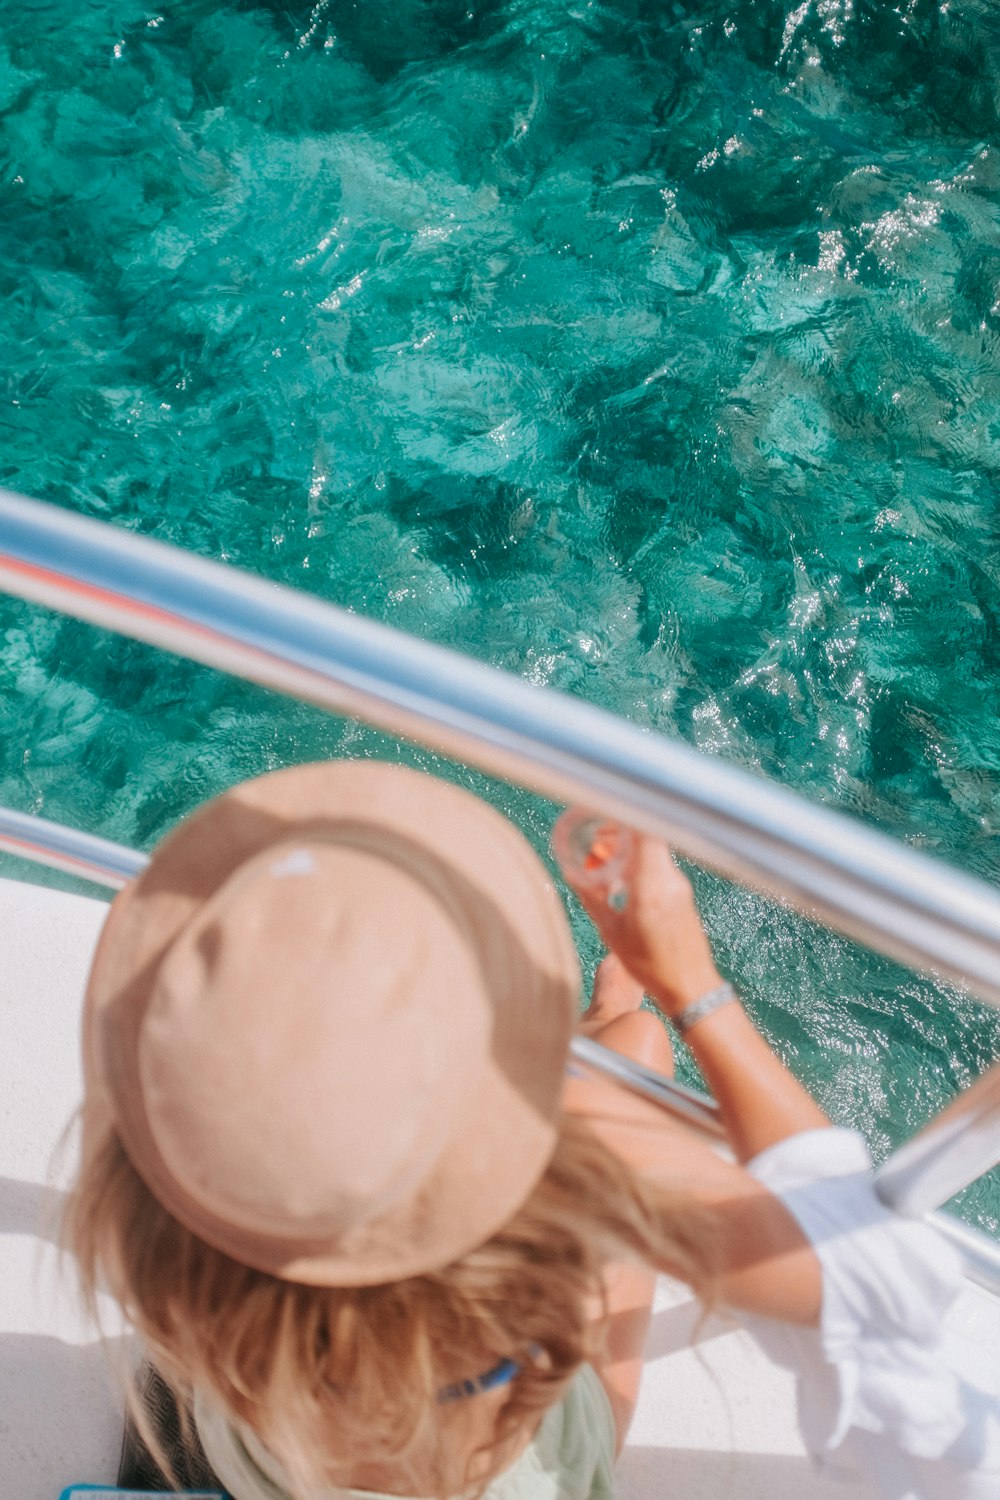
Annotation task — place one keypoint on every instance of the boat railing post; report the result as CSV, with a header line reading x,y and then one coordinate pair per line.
x,y
952,1150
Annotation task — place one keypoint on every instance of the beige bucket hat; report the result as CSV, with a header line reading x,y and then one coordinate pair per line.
x,y
331,1021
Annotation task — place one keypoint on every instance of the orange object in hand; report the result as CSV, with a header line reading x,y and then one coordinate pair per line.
x,y
595,851
600,851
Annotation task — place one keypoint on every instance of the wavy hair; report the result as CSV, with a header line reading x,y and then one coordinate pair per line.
x,y
332,1377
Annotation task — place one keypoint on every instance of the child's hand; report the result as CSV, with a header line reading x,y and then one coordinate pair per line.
x,y
657,934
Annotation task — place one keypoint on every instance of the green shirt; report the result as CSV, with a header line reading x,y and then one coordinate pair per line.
x,y
570,1457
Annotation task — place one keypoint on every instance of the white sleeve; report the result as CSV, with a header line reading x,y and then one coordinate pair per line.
x,y
875,1386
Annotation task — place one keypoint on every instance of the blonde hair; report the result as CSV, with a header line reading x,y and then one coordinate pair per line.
x,y
332,1376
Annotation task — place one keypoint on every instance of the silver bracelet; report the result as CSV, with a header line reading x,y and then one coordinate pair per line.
x,y
714,1000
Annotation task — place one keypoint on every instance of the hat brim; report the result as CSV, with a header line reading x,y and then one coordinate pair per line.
x,y
498,1152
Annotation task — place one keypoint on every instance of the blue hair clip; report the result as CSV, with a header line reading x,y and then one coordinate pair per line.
x,y
500,1374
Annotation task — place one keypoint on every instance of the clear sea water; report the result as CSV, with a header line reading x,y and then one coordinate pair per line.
x,y
649,350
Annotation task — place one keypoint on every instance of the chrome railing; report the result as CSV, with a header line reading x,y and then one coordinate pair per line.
x,y
68,850
956,1147
114,865
868,886
916,1190
882,893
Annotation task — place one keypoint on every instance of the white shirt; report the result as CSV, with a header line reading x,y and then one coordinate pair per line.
x,y
877,1390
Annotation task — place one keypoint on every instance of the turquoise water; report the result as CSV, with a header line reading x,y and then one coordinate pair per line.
x,y
649,350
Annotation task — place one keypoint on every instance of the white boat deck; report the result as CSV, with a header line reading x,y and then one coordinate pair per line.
x,y
715,1422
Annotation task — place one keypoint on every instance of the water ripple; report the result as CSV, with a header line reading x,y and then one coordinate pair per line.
x,y
651,352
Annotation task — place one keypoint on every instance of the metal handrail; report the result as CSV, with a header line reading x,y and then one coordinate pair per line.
x,y
870,887
67,849
690,1105
889,896
112,865
956,1147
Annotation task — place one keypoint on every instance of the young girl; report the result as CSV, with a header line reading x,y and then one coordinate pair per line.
x,y
372,1229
